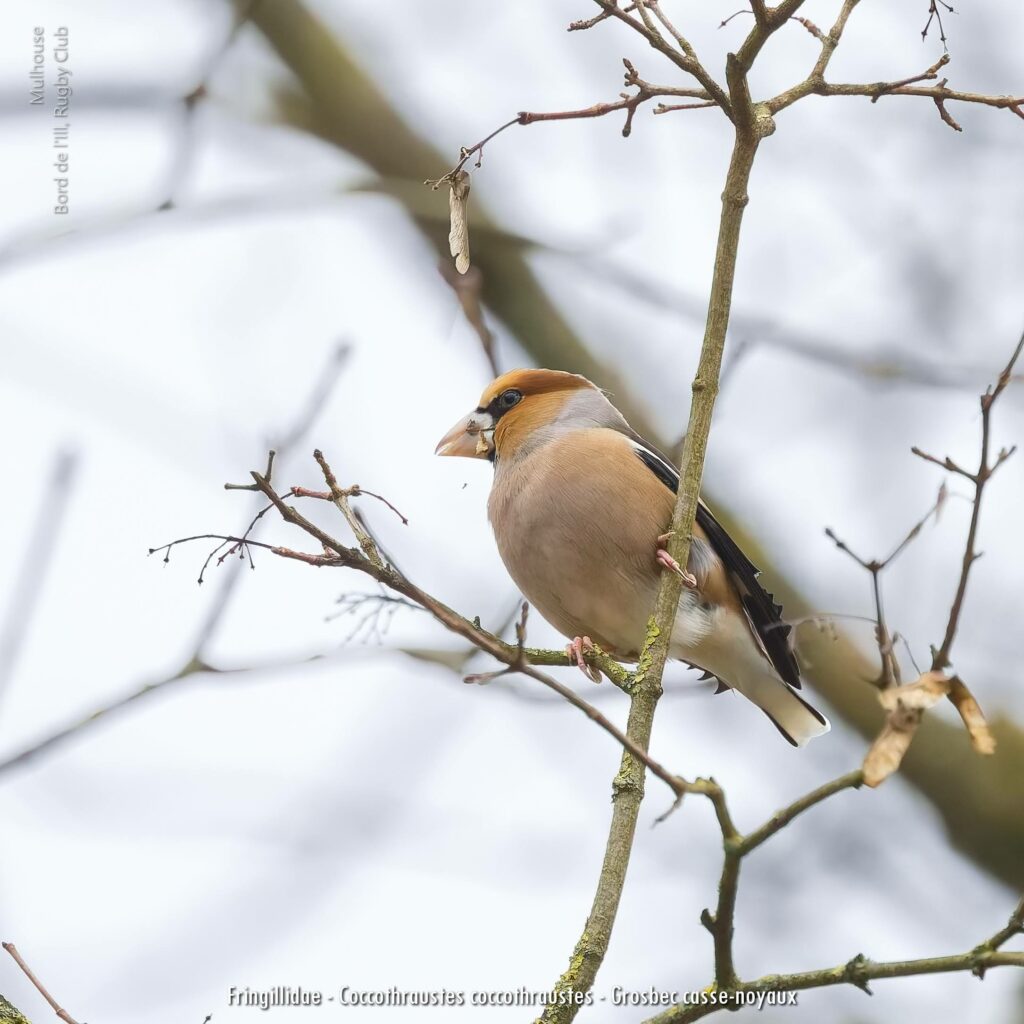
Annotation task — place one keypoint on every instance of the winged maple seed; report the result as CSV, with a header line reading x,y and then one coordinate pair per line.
x,y
458,207
906,706
970,711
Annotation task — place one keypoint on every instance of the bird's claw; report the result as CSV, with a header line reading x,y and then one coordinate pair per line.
x,y
665,559
582,645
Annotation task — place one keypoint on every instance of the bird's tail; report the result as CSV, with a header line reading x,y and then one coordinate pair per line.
x,y
730,652
789,712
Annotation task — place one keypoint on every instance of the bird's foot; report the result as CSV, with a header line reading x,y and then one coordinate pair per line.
x,y
663,558
582,645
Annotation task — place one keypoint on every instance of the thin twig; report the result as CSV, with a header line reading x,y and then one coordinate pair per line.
x,y
778,821
340,497
890,673
1013,927
629,103
40,987
585,23
664,108
735,14
686,61
940,657
521,664
873,90
935,14
467,152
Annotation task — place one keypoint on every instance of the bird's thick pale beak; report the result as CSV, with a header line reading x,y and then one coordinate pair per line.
x,y
471,437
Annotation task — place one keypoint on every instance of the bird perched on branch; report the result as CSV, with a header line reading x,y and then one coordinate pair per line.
x,y
579,506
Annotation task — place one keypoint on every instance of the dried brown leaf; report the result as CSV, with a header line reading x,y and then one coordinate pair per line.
x,y
970,711
906,705
919,695
887,751
458,207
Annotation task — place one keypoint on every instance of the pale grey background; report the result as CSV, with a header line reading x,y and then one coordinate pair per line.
x,y
368,819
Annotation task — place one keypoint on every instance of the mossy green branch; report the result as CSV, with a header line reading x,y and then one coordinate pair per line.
x,y
628,788
858,971
10,1014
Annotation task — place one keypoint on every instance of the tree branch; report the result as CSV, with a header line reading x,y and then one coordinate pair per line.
x,y
516,658
890,670
40,987
629,103
940,657
685,60
816,85
858,972
628,788
728,990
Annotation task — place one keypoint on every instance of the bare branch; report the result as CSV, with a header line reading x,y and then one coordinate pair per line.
x,y
686,60
681,42
935,14
340,498
585,23
40,987
521,664
858,971
629,103
940,657
874,90
830,42
890,674
468,289
665,108
476,149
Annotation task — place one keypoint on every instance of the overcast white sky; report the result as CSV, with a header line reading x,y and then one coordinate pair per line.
x,y
367,819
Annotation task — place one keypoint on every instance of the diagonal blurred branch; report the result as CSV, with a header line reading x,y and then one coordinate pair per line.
x,y
883,363
195,663
184,151
345,107
37,553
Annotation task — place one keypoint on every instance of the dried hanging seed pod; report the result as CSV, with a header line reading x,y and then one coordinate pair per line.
x,y
458,205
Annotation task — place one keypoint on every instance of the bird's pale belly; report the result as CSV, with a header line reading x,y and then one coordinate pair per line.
x,y
599,589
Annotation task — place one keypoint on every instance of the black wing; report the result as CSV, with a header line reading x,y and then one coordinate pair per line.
x,y
764,614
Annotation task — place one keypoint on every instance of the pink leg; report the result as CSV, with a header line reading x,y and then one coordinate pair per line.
x,y
665,559
579,646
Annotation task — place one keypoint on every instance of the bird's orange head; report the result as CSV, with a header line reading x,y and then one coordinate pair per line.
x,y
513,409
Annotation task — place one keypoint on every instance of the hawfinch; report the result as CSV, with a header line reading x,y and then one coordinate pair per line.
x,y
579,506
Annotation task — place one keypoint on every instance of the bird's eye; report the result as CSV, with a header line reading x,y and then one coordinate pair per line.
x,y
510,398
